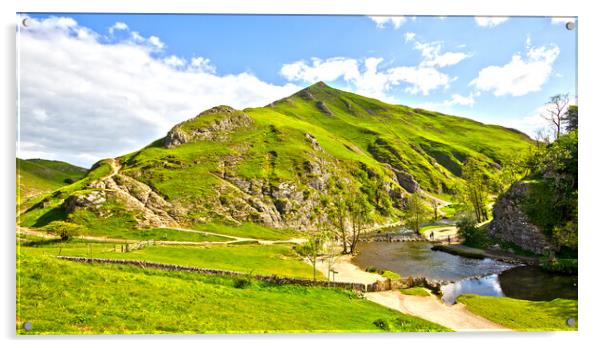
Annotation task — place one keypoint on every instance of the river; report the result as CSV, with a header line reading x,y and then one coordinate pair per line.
x,y
466,276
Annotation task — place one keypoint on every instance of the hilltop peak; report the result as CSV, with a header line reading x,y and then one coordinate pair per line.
x,y
319,84
225,109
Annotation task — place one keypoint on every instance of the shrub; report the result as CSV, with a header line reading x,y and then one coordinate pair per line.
x,y
241,283
371,269
380,323
564,266
472,235
65,230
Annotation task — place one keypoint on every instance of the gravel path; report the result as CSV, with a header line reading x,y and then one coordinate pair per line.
x,y
455,317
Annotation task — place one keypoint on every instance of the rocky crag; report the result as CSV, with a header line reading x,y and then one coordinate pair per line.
x,y
511,224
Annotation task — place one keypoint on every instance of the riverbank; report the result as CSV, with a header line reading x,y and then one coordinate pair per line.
x,y
345,271
525,315
455,317
475,253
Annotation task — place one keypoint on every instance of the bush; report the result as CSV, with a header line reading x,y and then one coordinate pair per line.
x,y
241,283
381,324
564,266
65,230
384,272
472,235
372,269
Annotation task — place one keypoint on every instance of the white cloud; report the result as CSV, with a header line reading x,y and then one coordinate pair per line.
x,y
533,123
137,37
118,26
490,22
458,99
431,53
421,79
521,75
447,106
82,100
382,21
174,61
364,76
322,70
155,41
201,64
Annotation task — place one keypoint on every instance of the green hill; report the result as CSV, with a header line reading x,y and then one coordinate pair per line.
x,y
36,176
279,165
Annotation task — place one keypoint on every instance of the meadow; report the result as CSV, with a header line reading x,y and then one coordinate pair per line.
x,y
524,315
62,297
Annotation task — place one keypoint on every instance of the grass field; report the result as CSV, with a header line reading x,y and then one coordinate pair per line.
x,y
37,176
277,259
164,234
415,291
249,230
62,297
524,315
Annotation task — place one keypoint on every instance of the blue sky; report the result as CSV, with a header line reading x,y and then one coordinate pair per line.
x,y
496,70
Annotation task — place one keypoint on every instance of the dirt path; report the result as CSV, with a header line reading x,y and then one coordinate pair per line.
x,y
455,317
441,203
233,239
441,234
346,271
115,168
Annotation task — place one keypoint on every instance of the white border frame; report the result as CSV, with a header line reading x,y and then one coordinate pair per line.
x,y
588,61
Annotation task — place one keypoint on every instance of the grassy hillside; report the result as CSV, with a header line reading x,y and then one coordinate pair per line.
x,y
278,166
36,176
62,297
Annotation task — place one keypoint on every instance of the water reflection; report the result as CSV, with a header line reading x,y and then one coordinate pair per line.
x,y
469,276
485,286
416,259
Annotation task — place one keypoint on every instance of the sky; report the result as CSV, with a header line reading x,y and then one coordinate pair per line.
x,y
93,86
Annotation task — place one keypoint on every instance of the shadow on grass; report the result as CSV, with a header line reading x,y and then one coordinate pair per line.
x,y
45,242
51,215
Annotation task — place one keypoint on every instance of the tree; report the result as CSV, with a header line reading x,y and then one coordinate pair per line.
x,y
360,212
338,215
554,112
435,207
65,230
415,212
571,117
475,192
330,249
311,249
471,234
513,169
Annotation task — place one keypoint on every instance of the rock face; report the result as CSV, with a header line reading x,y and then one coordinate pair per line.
x,y
219,129
407,181
511,224
150,209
